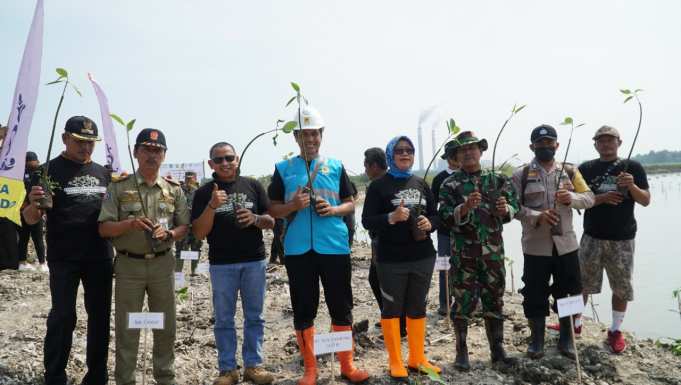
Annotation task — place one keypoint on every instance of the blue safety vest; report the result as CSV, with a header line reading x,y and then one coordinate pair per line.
x,y
307,230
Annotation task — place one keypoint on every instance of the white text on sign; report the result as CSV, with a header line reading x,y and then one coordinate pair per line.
x,y
188,254
332,342
145,320
570,306
442,263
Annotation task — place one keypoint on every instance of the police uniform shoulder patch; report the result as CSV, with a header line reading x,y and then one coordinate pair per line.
x,y
119,178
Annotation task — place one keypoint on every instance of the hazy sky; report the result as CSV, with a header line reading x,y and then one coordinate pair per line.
x,y
206,71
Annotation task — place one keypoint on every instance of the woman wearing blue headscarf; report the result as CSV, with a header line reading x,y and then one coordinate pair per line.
x,y
399,207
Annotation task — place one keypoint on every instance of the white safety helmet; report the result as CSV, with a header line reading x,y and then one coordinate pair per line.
x,y
310,119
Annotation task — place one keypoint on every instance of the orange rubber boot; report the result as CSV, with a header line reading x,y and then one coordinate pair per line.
x,y
348,370
416,336
306,345
391,338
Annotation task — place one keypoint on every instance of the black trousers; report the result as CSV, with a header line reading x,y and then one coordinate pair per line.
x,y
64,279
34,232
537,270
404,287
9,252
304,273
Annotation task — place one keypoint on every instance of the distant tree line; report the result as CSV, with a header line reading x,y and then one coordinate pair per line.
x,y
659,157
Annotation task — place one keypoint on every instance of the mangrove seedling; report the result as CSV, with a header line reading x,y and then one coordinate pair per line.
x,y
452,131
154,243
277,128
494,193
629,95
557,229
47,184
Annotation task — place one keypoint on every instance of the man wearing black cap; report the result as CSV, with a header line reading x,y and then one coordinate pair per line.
x,y
144,214
548,191
34,232
443,246
189,242
75,253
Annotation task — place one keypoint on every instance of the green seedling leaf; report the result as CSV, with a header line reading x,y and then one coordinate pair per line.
x,y
579,125
516,110
628,98
289,126
290,101
455,130
117,119
568,120
295,86
62,72
638,90
130,125
77,90
54,82
626,92
432,375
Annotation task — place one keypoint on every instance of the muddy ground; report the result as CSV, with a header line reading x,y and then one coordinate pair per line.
x,y
25,302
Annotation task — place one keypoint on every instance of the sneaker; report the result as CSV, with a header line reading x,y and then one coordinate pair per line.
x,y
229,377
258,375
616,341
556,327
43,268
26,267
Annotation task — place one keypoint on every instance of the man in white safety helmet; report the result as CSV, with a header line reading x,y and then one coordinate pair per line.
x,y
313,193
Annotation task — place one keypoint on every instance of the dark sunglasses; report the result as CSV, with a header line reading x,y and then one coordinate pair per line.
x,y
403,151
220,159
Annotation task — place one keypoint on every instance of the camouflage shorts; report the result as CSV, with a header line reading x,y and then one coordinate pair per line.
x,y
616,257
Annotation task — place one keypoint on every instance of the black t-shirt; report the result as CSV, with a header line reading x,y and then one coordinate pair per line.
x,y
606,221
72,227
435,187
276,189
227,242
395,242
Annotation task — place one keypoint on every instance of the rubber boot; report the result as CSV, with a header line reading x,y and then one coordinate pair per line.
x,y
535,349
348,370
306,345
494,327
391,338
416,336
461,328
565,345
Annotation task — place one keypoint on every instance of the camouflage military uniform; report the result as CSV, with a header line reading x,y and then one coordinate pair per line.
x,y
189,242
477,245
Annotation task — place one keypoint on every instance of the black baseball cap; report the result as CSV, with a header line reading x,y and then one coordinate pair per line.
x,y
151,137
82,127
543,131
31,156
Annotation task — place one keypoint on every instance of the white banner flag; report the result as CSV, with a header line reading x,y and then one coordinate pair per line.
x,y
177,170
112,158
13,152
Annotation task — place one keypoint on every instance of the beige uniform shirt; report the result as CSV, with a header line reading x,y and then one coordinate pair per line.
x,y
165,203
539,195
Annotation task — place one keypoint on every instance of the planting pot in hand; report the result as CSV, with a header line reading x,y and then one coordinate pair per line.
x,y
416,233
45,203
156,244
236,206
492,197
557,229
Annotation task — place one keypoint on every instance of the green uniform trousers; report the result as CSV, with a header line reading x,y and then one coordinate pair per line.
x,y
134,278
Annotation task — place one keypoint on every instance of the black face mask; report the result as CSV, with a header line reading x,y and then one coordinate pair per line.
x,y
544,154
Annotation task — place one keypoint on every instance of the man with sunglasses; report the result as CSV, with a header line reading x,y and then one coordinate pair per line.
x,y
313,193
75,252
144,214
232,212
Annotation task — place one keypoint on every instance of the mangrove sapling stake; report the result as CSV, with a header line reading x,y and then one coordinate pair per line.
x,y
494,194
632,95
46,182
557,229
153,242
452,130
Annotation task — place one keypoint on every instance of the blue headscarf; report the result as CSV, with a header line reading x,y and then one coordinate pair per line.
x,y
392,167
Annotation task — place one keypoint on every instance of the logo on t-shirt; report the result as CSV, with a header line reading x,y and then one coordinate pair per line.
x,y
85,186
410,196
232,200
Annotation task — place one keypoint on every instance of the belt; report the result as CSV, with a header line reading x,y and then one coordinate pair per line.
x,y
144,256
